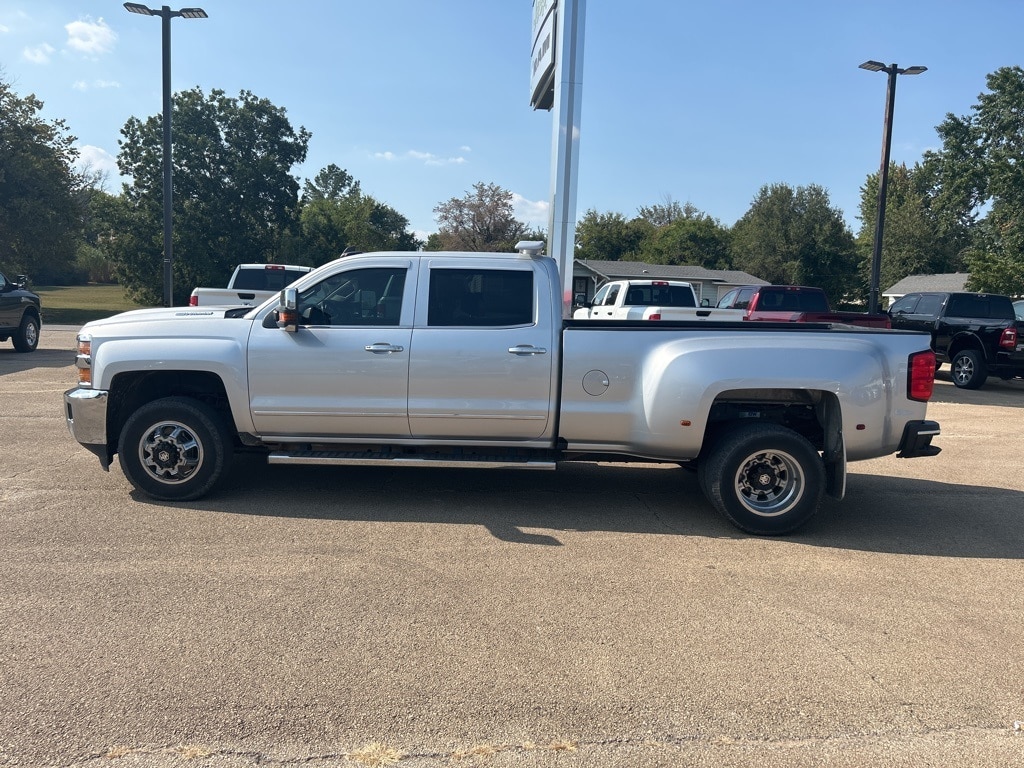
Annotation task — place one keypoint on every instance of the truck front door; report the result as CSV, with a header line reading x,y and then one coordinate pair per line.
x,y
345,372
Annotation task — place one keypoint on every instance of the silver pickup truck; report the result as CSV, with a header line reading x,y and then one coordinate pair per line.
x,y
455,359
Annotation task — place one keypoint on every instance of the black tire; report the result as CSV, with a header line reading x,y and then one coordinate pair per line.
x,y
765,479
26,338
968,369
174,449
711,440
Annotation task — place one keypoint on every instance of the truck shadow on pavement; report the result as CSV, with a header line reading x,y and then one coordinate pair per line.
x,y
995,391
12,361
880,513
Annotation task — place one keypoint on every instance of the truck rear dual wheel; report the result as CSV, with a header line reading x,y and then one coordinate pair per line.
x,y
174,449
765,479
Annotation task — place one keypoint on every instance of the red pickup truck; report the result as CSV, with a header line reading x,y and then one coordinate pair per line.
x,y
794,303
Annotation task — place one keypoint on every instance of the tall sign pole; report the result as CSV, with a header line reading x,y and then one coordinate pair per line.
x,y
557,85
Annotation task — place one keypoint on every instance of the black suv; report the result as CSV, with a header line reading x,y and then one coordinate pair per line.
x,y
976,333
19,314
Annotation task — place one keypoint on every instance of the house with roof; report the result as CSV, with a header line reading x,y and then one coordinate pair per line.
x,y
951,281
710,284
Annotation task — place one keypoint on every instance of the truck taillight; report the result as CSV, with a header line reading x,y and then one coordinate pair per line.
x,y
193,300
655,316
1008,339
921,376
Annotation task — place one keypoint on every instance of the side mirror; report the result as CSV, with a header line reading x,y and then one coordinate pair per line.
x,y
580,300
287,311
705,302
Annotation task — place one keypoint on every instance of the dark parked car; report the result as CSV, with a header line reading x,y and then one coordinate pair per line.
x,y
794,304
20,317
976,333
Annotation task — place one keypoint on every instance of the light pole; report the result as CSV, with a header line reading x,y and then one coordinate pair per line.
x,y
166,14
874,303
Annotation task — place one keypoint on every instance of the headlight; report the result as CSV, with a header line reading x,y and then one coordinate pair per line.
x,y
83,360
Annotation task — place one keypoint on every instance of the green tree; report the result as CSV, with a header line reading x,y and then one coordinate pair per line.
x,y
666,212
40,209
330,183
336,216
796,237
103,215
693,238
914,241
979,182
609,236
234,196
482,220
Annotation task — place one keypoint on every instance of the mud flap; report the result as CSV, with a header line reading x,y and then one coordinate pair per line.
x,y
835,474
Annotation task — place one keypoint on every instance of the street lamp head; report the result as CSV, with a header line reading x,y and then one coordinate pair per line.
x,y
913,70
193,13
139,8
873,66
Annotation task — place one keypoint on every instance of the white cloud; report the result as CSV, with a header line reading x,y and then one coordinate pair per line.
x,y
40,54
535,214
427,158
97,160
4,30
90,37
82,85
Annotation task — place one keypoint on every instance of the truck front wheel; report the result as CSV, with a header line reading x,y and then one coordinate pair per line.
x,y
766,479
174,449
26,338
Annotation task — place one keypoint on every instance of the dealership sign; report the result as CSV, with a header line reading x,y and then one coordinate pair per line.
x,y
542,55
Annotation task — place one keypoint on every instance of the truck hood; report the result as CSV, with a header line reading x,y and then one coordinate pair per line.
x,y
168,314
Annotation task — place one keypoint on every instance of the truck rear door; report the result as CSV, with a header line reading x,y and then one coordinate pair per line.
x,y
482,351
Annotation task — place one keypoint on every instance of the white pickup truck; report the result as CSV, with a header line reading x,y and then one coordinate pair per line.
x,y
456,359
649,300
250,285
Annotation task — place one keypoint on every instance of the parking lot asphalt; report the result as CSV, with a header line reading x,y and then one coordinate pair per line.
x,y
599,615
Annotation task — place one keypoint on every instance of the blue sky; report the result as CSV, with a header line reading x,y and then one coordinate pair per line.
x,y
694,102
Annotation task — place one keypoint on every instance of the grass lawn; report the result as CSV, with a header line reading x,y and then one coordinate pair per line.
x,y
78,304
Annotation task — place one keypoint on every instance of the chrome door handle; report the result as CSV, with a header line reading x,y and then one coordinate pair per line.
x,y
383,348
527,349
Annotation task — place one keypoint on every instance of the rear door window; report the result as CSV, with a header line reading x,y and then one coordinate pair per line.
x,y
480,297
929,305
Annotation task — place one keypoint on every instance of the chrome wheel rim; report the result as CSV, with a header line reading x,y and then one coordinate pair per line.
x,y
769,483
170,452
31,334
963,370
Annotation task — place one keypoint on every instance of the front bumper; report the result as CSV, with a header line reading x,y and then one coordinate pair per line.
x,y
86,414
917,439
